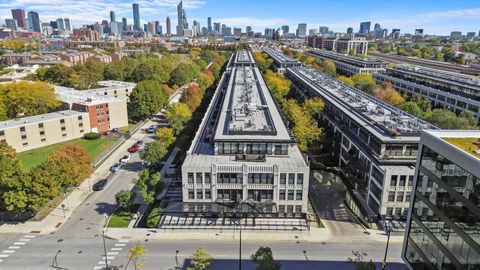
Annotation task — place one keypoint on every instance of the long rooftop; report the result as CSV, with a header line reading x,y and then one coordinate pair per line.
x,y
384,120
446,77
244,58
85,97
38,118
353,60
280,57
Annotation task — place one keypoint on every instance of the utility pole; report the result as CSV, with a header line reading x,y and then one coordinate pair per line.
x,y
105,249
240,248
384,262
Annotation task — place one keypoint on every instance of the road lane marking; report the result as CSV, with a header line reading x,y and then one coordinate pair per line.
x,y
25,239
98,267
9,251
103,262
124,241
4,255
19,243
120,245
30,236
116,248
112,253
13,247
108,257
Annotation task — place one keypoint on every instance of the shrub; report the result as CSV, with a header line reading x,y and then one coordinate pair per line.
x,y
92,136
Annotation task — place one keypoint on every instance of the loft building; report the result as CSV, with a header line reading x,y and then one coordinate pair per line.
x,y
243,161
280,60
442,231
454,92
373,143
348,64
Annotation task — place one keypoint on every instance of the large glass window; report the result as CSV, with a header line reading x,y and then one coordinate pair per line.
x,y
393,180
190,178
291,179
229,178
260,178
283,178
299,178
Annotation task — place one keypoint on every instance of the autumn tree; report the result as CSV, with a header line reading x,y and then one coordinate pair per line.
x,y
278,85
70,164
346,80
205,80
183,74
165,136
200,260
147,99
28,98
364,82
192,96
178,115
313,106
262,60
388,94
329,68
136,255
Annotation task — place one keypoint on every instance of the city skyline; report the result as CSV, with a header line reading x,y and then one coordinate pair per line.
x,y
441,19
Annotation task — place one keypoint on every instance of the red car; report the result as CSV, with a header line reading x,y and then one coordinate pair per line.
x,y
134,148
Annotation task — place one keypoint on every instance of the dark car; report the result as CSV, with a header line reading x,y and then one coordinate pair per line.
x,y
100,185
116,167
139,142
151,129
114,129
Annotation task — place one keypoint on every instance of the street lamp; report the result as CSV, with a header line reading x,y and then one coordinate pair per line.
x,y
240,247
388,230
177,265
54,262
104,248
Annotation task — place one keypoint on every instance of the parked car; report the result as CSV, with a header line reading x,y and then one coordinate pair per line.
x,y
151,129
100,185
139,143
125,159
134,148
116,167
107,132
114,130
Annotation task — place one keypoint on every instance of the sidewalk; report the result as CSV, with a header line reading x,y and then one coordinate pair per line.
x,y
55,218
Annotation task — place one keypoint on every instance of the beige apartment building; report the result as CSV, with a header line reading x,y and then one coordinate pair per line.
x,y
45,129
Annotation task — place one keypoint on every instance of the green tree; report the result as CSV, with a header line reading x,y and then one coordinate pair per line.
x,y
178,115
124,198
446,119
263,258
122,70
147,99
200,259
364,82
412,108
183,74
136,255
262,60
155,152
12,195
372,47
148,184
59,74
152,69
329,68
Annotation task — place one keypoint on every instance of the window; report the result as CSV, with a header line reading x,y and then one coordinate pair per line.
x,y
290,209
410,180
208,194
199,194
282,195
81,130
199,178
80,124
283,178
22,129
42,133
299,178
398,211
389,211
43,140
191,194
80,117
3,141
63,128
64,135
25,144
62,121
190,178
291,178
208,179
2,132
281,208
393,180
290,195
391,196
299,196
298,209
407,197
400,196
403,180
40,125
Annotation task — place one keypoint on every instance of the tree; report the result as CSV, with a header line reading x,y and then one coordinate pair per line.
x,y
69,164
372,47
329,68
152,69
192,96
11,180
147,99
388,94
279,86
205,80
147,184
262,60
155,152
28,98
122,70
346,80
200,259
165,136
446,119
313,106
136,255
364,82
124,198
183,74
263,258
178,115
412,108
59,74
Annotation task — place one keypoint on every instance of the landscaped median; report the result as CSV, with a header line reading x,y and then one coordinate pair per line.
x,y
122,217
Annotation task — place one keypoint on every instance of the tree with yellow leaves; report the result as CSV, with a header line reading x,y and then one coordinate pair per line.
x,y
135,255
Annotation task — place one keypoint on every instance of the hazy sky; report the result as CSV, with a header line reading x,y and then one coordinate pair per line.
x,y
435,16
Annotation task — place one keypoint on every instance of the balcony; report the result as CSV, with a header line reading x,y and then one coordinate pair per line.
x,y
260,186
228,186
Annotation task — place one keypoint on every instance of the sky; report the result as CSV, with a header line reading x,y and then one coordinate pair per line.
x,y
438,17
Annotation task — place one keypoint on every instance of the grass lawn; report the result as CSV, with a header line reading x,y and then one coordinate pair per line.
x,y
153,218
120,219
34,157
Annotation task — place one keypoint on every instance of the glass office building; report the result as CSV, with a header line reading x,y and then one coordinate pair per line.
x,y
444,224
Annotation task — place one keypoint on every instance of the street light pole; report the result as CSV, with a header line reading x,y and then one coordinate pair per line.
x,y
384,263
104,248
54,262
240,249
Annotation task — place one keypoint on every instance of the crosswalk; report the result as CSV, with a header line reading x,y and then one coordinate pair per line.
x,y
15,246
110,256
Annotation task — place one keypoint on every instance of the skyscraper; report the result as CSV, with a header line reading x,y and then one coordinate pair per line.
x,y
182,19
285,29
209,24
364,28
124,24
34,21
302,29
11,24
112,16
216,28
136,17
19,16
169,27
323,30
350,30
68,24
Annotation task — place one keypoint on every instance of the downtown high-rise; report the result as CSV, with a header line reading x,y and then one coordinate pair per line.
x,y
136,17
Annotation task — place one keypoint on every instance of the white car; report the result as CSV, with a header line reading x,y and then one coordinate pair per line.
x,y
125,159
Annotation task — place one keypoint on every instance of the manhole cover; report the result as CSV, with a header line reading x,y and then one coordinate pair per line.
x,y
81,218
88,228
80,252
146,240
60,240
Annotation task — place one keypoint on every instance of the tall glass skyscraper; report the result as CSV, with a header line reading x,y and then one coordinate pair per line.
x,y
136,17
443,229
34,21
